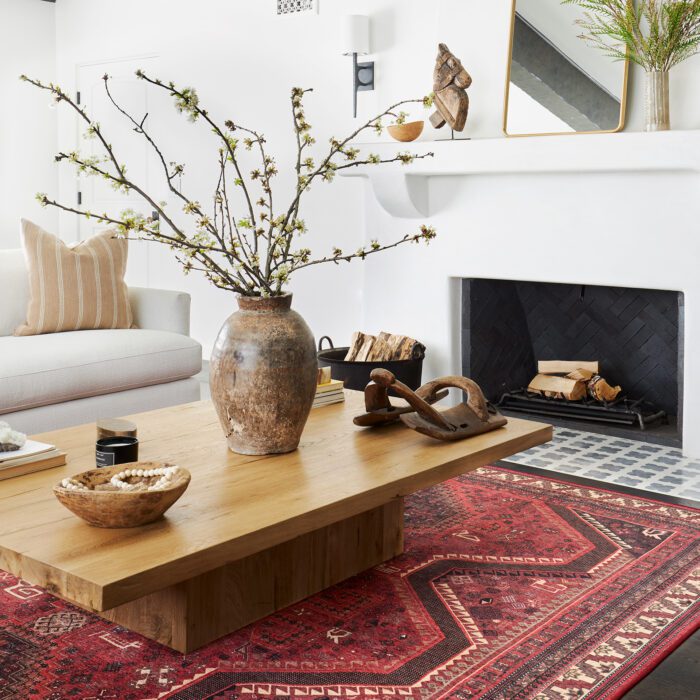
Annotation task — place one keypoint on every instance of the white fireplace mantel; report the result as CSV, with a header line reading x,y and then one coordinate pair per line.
x,y
402,190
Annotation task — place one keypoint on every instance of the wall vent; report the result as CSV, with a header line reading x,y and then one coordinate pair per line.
x,y
294,7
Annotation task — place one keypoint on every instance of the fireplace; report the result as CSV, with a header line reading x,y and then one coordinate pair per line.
x,y
635,334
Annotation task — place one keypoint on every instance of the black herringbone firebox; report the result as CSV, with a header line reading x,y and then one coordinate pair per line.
x,y
635,334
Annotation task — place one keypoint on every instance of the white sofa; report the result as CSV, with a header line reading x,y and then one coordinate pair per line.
x,y
59,379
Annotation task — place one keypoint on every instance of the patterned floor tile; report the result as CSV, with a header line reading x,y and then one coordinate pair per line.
x,y
618,461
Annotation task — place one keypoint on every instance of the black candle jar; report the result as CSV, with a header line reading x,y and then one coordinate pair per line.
x,y
116,450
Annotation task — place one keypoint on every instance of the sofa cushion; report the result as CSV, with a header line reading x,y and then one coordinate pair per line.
x,y
14,290
45,369
75,287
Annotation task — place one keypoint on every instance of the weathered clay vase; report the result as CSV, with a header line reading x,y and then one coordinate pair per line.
x,y
263,376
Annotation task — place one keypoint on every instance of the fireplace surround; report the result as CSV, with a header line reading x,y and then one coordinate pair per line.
x,y
605,209
635,334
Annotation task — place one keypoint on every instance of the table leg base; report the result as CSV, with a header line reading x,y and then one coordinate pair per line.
x,y
197,611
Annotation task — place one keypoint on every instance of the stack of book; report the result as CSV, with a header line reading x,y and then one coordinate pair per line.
x,y
31,457
328,393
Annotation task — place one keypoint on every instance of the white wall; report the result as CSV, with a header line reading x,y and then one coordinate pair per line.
x,y
27,124
243,60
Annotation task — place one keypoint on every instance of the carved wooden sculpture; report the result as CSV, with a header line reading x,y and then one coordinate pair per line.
x,y
450,81
380,410
471,417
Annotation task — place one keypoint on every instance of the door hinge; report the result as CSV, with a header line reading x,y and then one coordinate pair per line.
x,y
77,97
80,198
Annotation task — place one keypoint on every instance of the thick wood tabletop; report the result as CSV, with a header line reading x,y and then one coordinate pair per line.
x,y
235,506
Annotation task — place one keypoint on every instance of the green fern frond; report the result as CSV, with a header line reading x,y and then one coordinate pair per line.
x,y
656,34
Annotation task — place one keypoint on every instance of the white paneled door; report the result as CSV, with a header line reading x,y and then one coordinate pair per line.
x,y
131,149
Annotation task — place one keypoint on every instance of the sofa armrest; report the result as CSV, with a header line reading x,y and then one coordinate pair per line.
x,y
160,309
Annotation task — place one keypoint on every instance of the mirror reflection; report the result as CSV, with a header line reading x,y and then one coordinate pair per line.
x,y
556,82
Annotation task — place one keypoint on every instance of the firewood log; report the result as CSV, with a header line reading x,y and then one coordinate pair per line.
x,y
404,348
566,366
381,349
600,390
384,348
364,352
417,351
407,349
557,387
358,341
581,375
355,345
394,347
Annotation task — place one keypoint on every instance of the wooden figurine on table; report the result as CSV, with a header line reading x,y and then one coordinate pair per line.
x,y
471,417
450,81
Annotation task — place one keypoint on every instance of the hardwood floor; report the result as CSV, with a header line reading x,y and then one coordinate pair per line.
x,y
677,677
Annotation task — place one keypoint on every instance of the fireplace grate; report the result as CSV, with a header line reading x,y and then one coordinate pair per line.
x,y
622,411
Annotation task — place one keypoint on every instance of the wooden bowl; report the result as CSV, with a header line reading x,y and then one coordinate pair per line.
x,y
103,505
406,132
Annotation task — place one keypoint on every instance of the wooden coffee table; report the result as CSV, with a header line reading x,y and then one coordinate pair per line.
x,y
251,535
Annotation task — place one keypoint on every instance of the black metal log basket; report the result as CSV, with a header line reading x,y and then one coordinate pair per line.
x,y
355,375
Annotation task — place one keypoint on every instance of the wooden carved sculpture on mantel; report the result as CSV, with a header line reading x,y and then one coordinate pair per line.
x,y
450,81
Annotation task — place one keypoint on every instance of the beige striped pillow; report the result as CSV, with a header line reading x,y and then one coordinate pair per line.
x,y
75,287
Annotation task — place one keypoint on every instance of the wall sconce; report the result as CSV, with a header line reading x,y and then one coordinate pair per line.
x,y
356,42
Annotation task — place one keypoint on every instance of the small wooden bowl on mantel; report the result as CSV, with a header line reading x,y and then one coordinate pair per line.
x,y
104,505
406,132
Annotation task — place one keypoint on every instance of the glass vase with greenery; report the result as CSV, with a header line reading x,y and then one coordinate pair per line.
x,y
655,34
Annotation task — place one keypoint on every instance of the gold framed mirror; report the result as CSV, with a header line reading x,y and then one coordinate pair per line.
x,y
555,82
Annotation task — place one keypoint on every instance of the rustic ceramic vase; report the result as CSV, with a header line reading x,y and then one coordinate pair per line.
x,y
658,112
263,376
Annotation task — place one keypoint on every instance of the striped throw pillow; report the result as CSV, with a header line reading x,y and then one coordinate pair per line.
x,y
75,287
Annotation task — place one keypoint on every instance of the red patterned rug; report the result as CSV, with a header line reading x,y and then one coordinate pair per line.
x,y
512,586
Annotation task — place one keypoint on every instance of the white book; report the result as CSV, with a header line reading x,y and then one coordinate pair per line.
x,y
31,448
31,464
